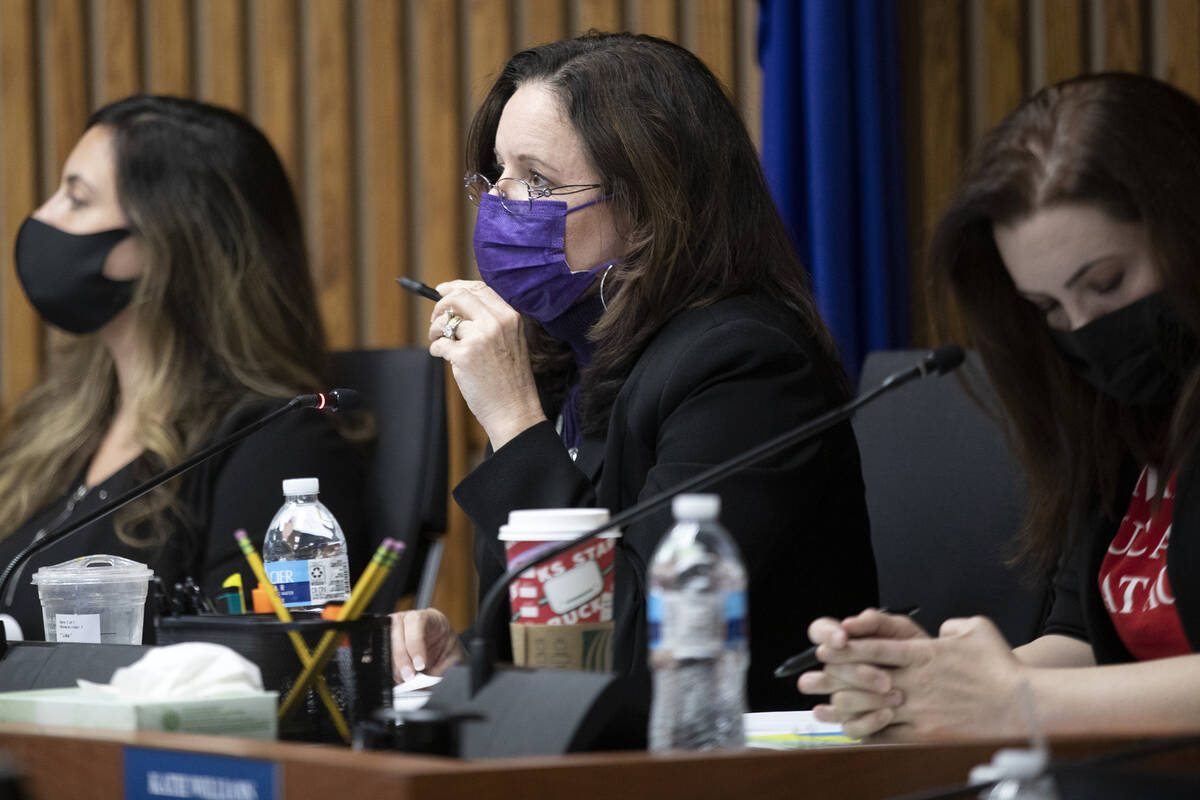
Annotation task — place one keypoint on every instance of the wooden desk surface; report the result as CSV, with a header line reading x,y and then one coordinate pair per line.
x,y
74,764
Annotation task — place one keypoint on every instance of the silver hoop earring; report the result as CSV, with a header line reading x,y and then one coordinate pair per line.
x,y
602,277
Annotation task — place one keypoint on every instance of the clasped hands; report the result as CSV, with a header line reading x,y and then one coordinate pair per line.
x,y
886,677
889,680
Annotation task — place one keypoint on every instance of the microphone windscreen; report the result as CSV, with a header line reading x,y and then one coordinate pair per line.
x,y
344,399
946,358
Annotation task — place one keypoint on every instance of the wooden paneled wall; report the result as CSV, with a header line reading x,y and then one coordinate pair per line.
x,y
367,102
969,62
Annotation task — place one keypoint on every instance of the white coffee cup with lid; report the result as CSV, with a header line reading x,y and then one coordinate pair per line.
x,y
573,587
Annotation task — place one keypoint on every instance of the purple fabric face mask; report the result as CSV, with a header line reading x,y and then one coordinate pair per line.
x,y
521,257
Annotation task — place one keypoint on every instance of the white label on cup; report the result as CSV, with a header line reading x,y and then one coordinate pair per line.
x,y
574,587
527,592
77,628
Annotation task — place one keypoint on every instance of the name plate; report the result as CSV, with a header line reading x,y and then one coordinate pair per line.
x,y
155,774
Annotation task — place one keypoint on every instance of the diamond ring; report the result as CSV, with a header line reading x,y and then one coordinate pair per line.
x,y
452,323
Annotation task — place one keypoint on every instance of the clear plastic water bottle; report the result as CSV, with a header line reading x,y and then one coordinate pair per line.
x,y
1016,775
304,552
697,632
1019,773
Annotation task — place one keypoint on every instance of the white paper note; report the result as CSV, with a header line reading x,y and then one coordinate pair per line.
x,y
77,628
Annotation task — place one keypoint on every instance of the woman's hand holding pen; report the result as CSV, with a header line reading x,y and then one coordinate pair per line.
x,y
483,339
887,678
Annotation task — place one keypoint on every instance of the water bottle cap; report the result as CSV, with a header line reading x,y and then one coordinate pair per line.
x,y
1011,764
293,487
696,507
1022,764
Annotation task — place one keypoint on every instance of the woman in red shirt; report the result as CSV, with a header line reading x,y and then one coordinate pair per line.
x,y
1071,251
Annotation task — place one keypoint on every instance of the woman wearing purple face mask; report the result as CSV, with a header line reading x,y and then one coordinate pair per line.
x,y
642,316
1071,251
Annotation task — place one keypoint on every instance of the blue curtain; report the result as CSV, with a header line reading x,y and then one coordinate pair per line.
x,y
833,156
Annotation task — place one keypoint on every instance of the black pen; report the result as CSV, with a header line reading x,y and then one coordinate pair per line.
x,y
416,287
803,662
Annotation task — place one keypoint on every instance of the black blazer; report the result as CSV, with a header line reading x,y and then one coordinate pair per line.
x,y
713,383
1078,608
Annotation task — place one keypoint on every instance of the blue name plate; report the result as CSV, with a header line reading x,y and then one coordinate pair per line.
x,y
154,774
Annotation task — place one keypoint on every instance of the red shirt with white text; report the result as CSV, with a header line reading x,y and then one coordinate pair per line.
x,y
1133,577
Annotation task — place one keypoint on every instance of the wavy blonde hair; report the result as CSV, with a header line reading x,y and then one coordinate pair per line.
x,y
225,312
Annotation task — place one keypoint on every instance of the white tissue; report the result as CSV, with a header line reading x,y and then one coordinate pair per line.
x,y
191,670
416,683
414,693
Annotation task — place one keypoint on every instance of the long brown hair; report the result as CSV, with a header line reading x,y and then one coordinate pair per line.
x,y
225,311
684,180
1130,146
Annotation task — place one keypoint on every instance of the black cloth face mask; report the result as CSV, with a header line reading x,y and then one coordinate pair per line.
x,y
1138,354
63,275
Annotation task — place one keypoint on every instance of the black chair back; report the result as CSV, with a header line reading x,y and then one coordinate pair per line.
x,y
946,499
406,491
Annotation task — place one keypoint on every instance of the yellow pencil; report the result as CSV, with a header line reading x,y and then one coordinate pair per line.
x,y
370,583
367,577
256,565
359,603
364,589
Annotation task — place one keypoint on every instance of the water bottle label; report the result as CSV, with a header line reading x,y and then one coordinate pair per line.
x,y
654,614
695,626
310,583
735,618
690,625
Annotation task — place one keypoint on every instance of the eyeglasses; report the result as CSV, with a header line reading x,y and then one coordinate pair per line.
x,y
516,195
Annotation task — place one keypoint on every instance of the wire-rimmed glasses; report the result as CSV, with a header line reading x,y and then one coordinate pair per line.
x,y
517,196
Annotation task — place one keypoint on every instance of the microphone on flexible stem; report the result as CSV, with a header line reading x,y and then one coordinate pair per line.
x,y
572,715
936,362
334,400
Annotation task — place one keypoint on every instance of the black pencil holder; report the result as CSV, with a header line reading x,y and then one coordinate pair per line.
x,y
359,675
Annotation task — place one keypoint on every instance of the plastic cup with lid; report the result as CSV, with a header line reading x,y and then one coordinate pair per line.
x,y
99,599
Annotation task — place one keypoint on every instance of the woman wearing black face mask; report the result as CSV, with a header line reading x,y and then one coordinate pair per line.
x,y
1071,250
172,253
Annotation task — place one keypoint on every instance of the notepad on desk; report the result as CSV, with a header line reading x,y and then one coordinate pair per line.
x,y
772,730
786,730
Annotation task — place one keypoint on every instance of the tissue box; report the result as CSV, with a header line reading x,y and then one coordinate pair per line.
x,y
251,716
